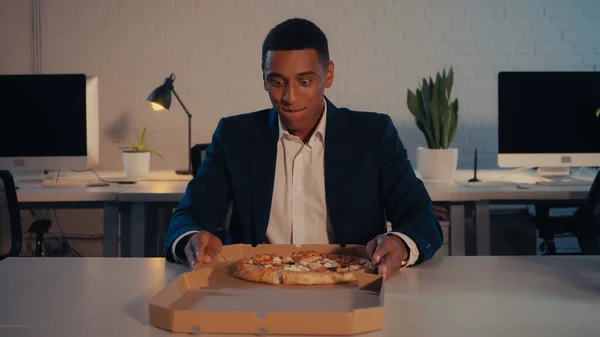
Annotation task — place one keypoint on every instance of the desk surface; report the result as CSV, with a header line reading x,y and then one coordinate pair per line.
x,y
502,185
68,194
166,186
154,191
494,185
447,296
71,187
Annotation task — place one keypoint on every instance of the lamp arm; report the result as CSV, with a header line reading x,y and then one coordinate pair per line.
x,y
189,133
180,102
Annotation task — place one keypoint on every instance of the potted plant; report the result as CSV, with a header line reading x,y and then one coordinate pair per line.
x,y
436,115
136,158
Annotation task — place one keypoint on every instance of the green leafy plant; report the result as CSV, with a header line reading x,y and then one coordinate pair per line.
x,y
140,147
598,113
435,114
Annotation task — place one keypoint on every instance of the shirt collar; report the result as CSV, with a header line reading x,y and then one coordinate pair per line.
x,y
319,131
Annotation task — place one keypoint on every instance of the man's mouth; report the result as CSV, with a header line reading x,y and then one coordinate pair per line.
x,y
293,110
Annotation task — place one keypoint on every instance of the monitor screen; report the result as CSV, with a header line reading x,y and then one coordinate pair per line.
x,y
43,115
548,113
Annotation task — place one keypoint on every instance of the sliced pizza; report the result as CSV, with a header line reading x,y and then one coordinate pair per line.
x,y
301,268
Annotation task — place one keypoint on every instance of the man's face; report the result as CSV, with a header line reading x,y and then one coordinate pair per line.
x,y
296,82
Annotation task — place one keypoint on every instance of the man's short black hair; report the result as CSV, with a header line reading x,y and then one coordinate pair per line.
x,y
296,34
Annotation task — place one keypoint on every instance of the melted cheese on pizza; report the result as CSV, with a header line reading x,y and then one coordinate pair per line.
x,y
306,261
295,267
327,263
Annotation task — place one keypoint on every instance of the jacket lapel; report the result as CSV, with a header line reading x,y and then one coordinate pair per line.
x,y
262,174
335,159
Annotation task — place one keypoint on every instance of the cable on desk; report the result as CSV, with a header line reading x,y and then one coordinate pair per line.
x,y
94,171
58,223
104,180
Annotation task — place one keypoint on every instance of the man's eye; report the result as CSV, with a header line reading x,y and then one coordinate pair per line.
x,y
305,81
277,83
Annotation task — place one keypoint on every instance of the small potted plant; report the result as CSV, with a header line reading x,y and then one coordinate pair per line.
x,y
436,115
136,158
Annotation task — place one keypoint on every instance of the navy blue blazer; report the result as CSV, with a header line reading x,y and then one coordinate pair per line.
x,y
368,180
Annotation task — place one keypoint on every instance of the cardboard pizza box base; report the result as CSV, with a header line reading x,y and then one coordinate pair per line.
x,y
210,299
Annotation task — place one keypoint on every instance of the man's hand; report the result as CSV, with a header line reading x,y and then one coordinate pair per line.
x,y
388,251
202,247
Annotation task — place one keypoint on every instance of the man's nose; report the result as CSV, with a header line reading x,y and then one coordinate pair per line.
x,y
289,94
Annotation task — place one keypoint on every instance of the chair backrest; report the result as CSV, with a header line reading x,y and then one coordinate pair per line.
x,y
587,219
10,218
197,154
593,201
593,197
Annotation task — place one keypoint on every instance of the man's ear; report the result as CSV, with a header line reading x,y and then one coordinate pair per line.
x,y
329,74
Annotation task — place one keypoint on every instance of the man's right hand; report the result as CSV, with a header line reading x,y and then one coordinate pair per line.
x,y
202,247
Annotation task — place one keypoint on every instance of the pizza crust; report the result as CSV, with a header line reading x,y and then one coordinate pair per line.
x,y
314,278
258,274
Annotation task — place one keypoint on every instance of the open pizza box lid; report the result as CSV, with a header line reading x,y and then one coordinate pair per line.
x,y
210,299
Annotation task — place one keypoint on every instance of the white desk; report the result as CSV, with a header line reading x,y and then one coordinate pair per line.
x,y
154,200
70,191
151,203
452,297
83,197
146,212
500,187
145,208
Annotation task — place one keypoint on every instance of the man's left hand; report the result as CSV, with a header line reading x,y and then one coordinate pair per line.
x,y
388,251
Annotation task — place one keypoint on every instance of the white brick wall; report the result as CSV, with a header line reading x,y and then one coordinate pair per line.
x,y
381,48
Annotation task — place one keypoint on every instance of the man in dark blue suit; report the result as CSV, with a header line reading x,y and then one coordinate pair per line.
x,y
305,171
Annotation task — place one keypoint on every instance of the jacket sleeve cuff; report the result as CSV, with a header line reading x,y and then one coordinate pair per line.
x,y
413,255
174,246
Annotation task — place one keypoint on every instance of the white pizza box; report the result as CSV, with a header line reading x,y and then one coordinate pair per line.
x,y
210,299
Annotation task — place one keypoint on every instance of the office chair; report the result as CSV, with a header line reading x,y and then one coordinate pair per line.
x,y
10,217
196,155
584,224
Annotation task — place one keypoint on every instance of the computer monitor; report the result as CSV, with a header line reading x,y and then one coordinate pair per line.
x,y
547,120
48,122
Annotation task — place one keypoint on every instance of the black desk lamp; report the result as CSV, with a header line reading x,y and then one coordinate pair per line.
x,y
160,99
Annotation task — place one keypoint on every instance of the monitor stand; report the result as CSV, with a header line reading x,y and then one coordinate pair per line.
x,y
559,176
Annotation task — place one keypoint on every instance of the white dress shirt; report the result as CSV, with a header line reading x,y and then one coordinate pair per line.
x,y
298,209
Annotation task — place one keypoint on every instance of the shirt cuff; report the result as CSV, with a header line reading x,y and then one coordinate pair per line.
x,y
175,245
414,251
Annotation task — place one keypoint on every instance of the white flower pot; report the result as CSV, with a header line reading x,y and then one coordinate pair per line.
x,y
437,164
136,164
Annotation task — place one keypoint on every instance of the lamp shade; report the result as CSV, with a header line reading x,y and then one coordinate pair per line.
x,y
160,98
